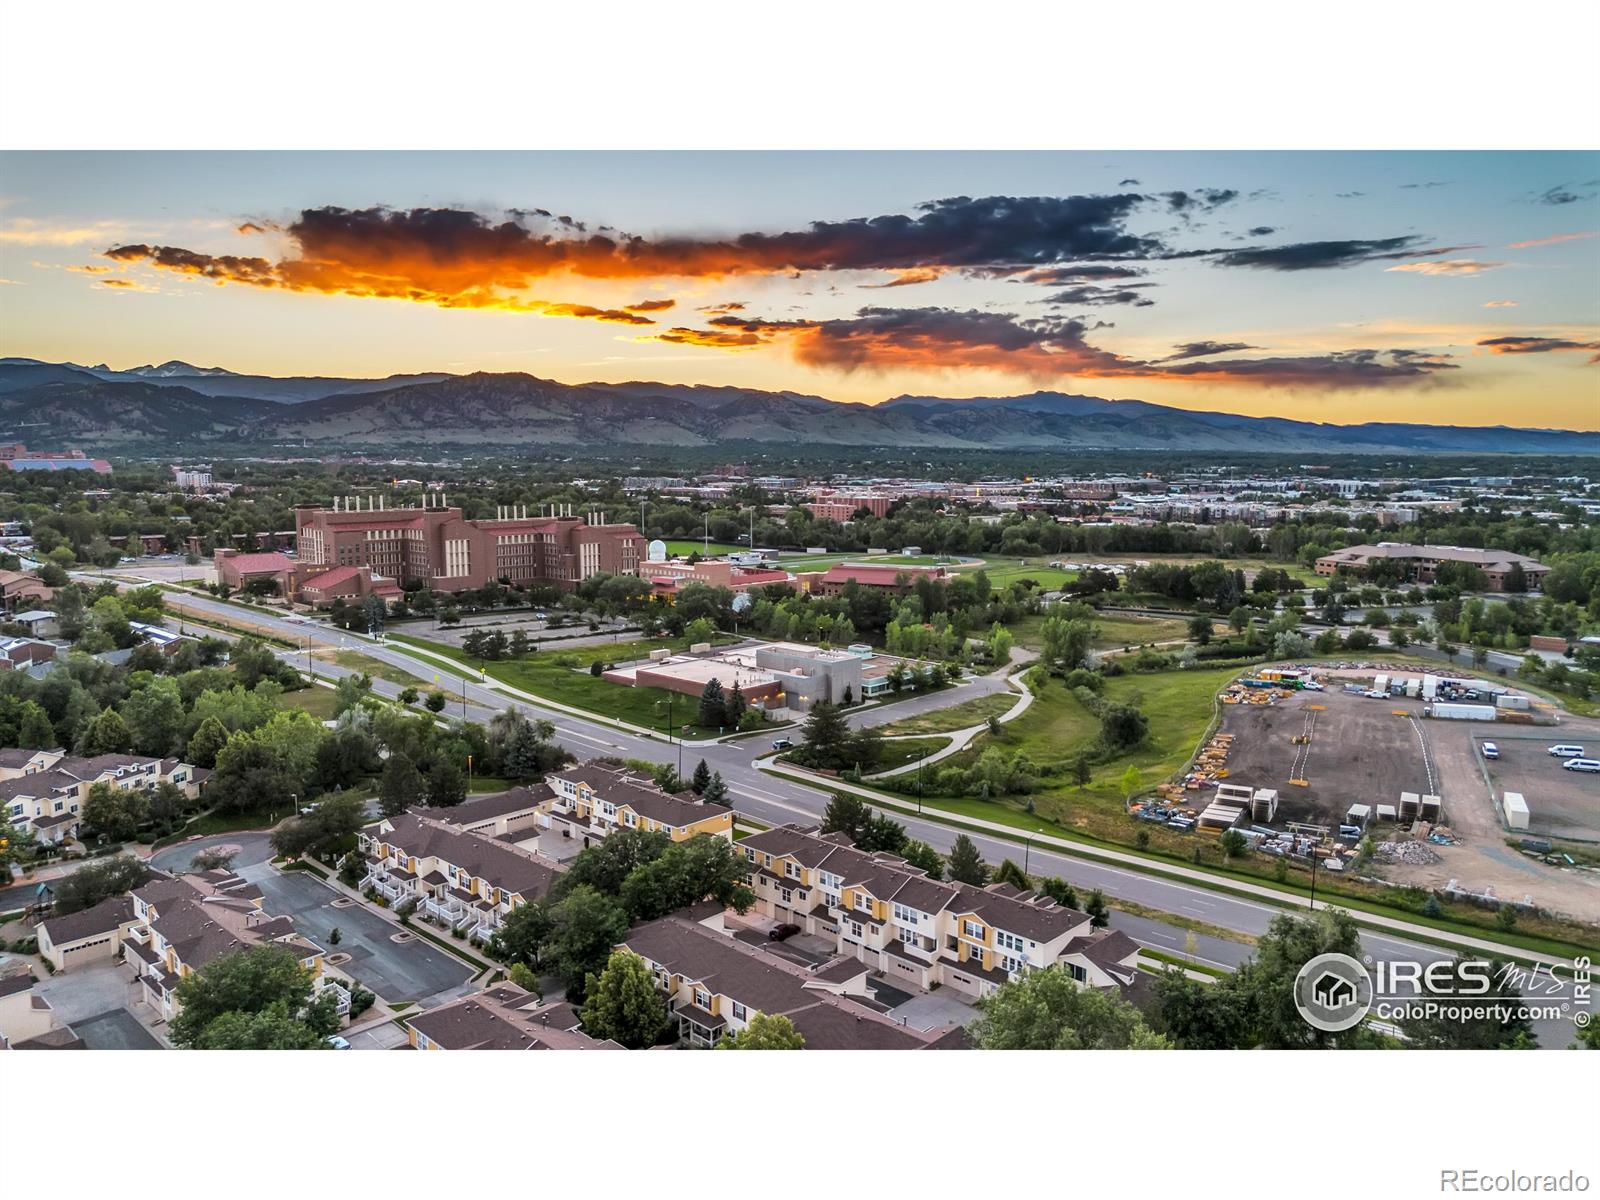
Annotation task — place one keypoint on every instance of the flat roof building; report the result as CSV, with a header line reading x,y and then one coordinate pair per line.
x,y
1421,563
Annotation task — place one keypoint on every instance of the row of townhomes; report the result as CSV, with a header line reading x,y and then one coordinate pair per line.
x,y
173,926
503,1017
889,915
590,801
44,790
715,983
466,880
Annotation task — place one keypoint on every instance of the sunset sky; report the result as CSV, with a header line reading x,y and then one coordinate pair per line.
x,y
1451,288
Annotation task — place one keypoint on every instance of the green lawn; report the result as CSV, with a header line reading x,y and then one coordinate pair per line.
x,y
1003,572
318,701
908,750
1111,632
543,674
688,547
958,716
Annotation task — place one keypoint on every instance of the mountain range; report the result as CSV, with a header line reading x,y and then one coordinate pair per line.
x,y
175,403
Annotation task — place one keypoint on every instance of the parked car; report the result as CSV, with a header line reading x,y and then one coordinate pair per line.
x,y
1375,694
1311,685
1566,750
787,743
781,933
1490,750
338,1043
1589,765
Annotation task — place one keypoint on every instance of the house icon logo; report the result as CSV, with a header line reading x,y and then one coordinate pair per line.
x,y
1333,992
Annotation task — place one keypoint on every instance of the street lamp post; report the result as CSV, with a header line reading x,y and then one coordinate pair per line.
x,y
920,757
1313,883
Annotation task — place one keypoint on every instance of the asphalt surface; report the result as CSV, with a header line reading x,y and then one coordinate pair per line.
x,y
776,801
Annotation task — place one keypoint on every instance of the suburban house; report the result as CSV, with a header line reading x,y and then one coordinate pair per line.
x,y
44,790
592,800
512,814
888,914
468,881
1421,563
22,590
181,924
835,579
503,1017
39,622
27,1021
90,935
715,984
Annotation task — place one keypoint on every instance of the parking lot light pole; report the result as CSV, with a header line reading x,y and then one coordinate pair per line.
x,y
1313,883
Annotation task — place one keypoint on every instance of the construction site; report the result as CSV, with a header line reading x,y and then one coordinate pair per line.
x,y
1312,766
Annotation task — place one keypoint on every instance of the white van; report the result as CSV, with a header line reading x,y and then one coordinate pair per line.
x,y
1566,751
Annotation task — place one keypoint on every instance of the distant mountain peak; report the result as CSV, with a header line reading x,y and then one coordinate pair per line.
x,y
173,368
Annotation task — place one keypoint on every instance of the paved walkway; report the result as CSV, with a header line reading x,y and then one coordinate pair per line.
x,y
961,738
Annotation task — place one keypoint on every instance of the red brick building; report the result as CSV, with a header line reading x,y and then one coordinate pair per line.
x,y
898,579
436,545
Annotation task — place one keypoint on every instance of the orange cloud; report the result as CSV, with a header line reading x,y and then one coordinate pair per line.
x,y
1554,240
651,306
908,277
1538,345
1447,266
1499,303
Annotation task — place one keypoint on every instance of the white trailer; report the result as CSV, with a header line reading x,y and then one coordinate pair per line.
x,y
1516,810
1381,684
1430,686
1462,712
1413,688
1507,700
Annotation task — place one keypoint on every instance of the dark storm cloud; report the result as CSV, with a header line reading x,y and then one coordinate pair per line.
x,y
1089,294
1313,256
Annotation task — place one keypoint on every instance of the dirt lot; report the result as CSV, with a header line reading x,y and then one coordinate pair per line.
x,y
1361,753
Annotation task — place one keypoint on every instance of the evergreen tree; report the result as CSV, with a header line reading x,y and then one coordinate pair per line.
x,y
965,864
846,814
734,707
447,784
920,854
34,731
701,778
1009,872
716,790
712,710
1095,906
1060,891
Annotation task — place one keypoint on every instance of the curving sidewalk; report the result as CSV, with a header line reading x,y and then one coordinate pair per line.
x,y
960,739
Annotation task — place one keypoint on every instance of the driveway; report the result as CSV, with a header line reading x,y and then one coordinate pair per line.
x,y
415,971
94,1001
931,1010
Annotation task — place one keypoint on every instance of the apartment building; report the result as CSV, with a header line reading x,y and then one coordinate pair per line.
x,y
27,1019
1421,563
438,546
22,590
44,790
715,984
593,800
889,915
503,1017
464,880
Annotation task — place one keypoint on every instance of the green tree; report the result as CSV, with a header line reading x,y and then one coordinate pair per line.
x,y
260,998
98,881
330,826
924,856
1095,906
847,814
34,731
1122,726
114,813
585,927
521,937
1060,891
1046,1010
1202,1016
1009,872
155,718
965,864
716,789
765,1032
1289,943
826,739
408,696
1234,845
106,734
713,710
206,742
701,778
685,873
446,783
1201,629
401,786
435,702
623,1004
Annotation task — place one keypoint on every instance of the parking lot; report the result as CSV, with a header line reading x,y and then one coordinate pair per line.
x,y
1561,803
412,971
95,1000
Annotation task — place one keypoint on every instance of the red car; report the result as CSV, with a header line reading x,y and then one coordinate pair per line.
x,y
782,932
